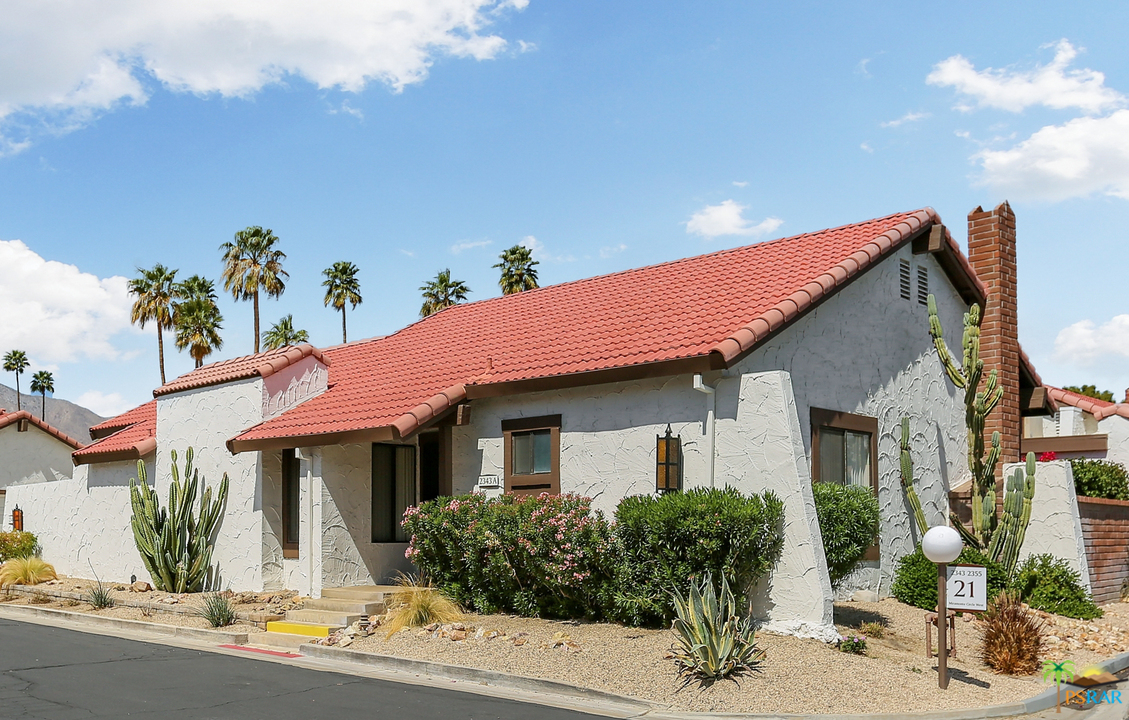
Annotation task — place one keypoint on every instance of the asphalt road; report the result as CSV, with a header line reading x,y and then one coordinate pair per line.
x,y
59,674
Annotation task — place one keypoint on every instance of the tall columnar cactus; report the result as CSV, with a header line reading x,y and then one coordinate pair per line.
x,y
977,405
907,481
1018,495
175,542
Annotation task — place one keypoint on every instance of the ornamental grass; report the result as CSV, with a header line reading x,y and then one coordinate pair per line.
x,y
29,570
1013,636
416,603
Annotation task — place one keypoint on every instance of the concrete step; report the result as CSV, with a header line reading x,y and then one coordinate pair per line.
x,y
309,629
278,640
345,606
360,593
323,617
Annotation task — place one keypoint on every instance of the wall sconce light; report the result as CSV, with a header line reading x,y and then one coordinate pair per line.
x,y
17,519
669,462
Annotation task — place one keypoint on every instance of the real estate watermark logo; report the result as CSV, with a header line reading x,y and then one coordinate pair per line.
x,y
1089,685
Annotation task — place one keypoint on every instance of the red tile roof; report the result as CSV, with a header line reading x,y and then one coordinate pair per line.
x,y
682,316
131,441
130,417
1100,409
7,418
263,364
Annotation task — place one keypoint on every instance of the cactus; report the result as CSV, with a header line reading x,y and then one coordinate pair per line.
x,y
907,481
1003,537
978,404
175,543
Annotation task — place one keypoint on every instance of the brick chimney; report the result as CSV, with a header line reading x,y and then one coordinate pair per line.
x,y
991,250
1126,400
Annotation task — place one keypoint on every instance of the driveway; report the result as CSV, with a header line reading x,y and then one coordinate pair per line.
x,y
59,674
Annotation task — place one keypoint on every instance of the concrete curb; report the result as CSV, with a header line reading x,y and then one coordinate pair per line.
x,y
469,674
217,636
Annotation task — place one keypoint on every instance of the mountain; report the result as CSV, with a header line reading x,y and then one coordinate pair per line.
x,y
72,419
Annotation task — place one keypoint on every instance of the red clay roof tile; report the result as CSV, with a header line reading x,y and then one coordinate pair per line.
x,y
7,418
263,364
134,438
715,306
1100,409
130,417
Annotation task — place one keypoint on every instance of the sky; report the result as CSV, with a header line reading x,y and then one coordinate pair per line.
x,y
410,136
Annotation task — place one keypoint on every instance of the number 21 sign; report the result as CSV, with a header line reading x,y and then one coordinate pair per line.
x,y
967,587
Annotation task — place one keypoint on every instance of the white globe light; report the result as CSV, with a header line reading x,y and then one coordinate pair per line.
x,y
941,544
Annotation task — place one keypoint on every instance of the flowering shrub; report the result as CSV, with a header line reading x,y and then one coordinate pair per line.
x,y
544,555
1048,456
854,644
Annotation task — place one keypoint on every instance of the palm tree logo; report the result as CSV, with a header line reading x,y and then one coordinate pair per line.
x,y
1058,671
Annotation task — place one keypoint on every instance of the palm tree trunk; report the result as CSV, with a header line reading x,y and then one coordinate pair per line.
x,y
256,321
344,335
43,408
161,350
18,407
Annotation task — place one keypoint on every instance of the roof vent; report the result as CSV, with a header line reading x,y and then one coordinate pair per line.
x,y
904,278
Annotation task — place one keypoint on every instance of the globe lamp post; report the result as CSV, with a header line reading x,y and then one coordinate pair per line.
x,y
942,545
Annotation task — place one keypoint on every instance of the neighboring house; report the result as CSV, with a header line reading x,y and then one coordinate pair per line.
x,y
31,451
1082,427
771,365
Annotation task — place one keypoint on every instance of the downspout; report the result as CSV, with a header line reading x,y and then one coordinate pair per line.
x,y
710,391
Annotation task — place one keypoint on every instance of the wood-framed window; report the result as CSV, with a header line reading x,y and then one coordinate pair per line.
x,y
532,449
291,494
844,450
393,490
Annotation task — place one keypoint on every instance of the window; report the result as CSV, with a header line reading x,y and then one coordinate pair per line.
x,y
844,450
668,458
290,503
904,278
532,454
393,490
922,285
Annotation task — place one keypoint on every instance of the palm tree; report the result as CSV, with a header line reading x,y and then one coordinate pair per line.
x,y
43,382
341,286
442,292
16,361
155,293
196,286
282,333
198,322
251,264
518,272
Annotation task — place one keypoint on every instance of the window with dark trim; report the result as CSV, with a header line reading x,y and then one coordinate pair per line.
x,y
393,490
290,503
532,449
844,450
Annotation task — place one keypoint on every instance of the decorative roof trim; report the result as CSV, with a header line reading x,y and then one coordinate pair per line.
x,y
137,451
1100,409
15,417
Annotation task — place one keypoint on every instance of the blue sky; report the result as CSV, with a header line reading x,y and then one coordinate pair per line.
x,y
408,137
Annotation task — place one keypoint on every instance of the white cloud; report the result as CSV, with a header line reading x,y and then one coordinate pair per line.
x,y
542,253
1054,85
610,251
1085,343
55,312
105,404
468,245
866,146
907,118
524,47
727,219
409,253
860,69
741,183
64,63
1081,157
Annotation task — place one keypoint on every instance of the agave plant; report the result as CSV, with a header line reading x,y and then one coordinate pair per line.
x,y
714,640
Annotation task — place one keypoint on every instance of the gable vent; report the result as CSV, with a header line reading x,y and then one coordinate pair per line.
x,y
903,268
923,285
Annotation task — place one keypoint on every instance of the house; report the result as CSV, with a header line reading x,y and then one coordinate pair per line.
x,y
772,365
1082,427
32,452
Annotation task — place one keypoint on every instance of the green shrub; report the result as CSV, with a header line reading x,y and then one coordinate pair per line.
x,y
1048,583
546,555
1100,479
848,522
915,580
217,610
853,644
666,542
17,544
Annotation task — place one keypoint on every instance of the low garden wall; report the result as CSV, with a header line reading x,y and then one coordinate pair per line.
x,y
1105,529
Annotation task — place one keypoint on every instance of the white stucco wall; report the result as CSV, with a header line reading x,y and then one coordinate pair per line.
x,y
1117,430
83,523
867,351
1056,527
293,385
32,456
204,419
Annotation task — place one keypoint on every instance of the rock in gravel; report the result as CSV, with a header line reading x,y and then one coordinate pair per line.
x,y
140,586
458,635
170,600
864,596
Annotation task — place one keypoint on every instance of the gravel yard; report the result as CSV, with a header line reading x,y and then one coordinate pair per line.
x,y
802,676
